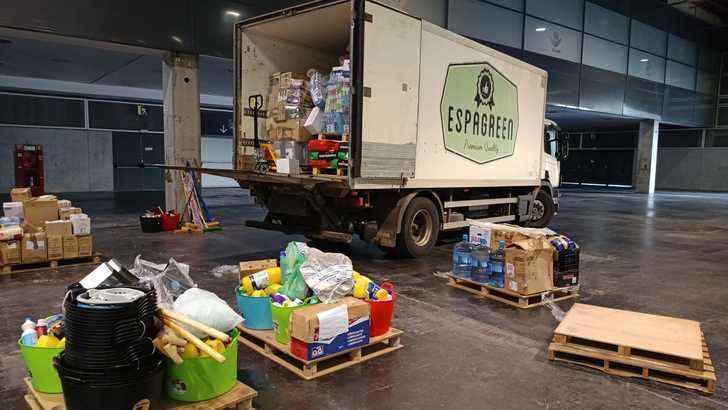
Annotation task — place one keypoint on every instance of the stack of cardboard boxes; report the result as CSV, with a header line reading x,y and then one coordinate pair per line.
x,y
530,257
42,229
289,104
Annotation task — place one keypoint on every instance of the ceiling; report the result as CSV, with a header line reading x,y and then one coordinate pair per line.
x,y
56,59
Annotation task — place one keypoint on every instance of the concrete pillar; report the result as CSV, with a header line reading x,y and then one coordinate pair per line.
x,y
644,176
181,90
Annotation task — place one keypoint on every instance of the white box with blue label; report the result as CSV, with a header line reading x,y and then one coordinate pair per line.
x,y
324,329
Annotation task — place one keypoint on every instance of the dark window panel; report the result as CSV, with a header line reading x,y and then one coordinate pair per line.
x,y
619,6
513,52
704,109
643,97
602,90
678,106
613,167
124,116
716,138
563,82
575,140
627,139
723,117
679,138
216,123
42,111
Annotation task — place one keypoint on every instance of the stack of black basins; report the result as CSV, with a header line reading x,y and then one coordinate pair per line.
x,y
109,361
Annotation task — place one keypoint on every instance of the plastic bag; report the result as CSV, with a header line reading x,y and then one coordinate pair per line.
x,y
329,275
317,87
170,280
206,307
294,286
222,270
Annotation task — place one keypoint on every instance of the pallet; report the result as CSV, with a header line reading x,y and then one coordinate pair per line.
x,y
264,342
54,264
509,297
334,137
631,344
240,397
339,172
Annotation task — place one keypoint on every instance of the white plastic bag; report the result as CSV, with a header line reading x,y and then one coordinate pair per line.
x,y
329,275
206,307
170,280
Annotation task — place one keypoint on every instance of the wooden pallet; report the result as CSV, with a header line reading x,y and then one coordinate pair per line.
x,y
509,297
334,137
339,172
631,344
264,342
45,265
240,397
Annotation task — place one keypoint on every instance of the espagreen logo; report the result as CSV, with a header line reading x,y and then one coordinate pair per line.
x,y
479,112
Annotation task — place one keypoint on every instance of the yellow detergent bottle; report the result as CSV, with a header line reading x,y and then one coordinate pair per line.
x,y
381,295
273,289
216,345
259,294
190,350
62,343
48,341
364,288
261,280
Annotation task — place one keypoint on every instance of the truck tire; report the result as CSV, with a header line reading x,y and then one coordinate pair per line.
x,y
420,229
543,210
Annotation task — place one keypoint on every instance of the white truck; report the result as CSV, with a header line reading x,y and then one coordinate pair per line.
x,y
443,129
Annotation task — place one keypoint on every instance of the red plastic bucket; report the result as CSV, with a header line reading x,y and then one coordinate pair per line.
x,y
170,221
380,316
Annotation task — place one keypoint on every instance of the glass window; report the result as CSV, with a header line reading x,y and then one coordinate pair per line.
x,y
125,116
606,23
680,75
679,138
552,40
43,111
563,81
604,54
643,98
513,4
707,83
601,90
681,50
486,22
567,12
648,38
704,109
716,138
678,106
647,66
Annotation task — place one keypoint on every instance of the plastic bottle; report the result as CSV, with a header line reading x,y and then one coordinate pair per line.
x,y
29,336
497,265
261,280
41,328
461,258
364,288
480,262
48,341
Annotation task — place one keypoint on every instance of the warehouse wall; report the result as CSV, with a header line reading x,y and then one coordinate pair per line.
x,y
692,169
217,152
75,160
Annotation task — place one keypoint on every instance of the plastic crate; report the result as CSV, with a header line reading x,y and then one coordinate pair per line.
x,y
568,260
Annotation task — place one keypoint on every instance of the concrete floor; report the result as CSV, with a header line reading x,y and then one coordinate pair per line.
x,y
664,255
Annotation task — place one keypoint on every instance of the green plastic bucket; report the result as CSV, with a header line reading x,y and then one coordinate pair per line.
x,y
202,378
281,317
39,362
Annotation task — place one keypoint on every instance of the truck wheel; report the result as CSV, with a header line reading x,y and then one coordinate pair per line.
x,y
543,210
420,229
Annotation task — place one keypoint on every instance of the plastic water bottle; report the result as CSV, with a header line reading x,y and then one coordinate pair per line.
x,y
461,257
29,336
497,266
479,262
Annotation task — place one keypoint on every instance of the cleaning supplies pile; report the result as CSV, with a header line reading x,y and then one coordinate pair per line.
x,y
199,325
48,332
365,288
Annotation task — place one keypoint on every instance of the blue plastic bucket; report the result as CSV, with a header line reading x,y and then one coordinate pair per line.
x,y
256,311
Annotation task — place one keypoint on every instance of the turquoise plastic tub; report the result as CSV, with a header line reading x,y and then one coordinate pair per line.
x,y
256,311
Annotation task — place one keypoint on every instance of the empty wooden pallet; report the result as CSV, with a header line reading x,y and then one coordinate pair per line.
x,y
631,344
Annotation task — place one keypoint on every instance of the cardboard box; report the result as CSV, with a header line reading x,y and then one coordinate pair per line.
x,y
34,248
288,166
85,245
505,232
70,247
248,268
20,194
67,212
304,327
529,266
289,130
10,233
13,209
81,224
10,253
55,247
39,210
58,228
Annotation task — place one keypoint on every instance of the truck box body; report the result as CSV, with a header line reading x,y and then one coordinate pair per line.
x,y
430,108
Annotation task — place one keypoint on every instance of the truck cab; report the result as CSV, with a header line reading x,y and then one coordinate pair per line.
x,y
556,148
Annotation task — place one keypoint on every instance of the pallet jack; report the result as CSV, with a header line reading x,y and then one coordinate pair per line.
x,y
265,155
